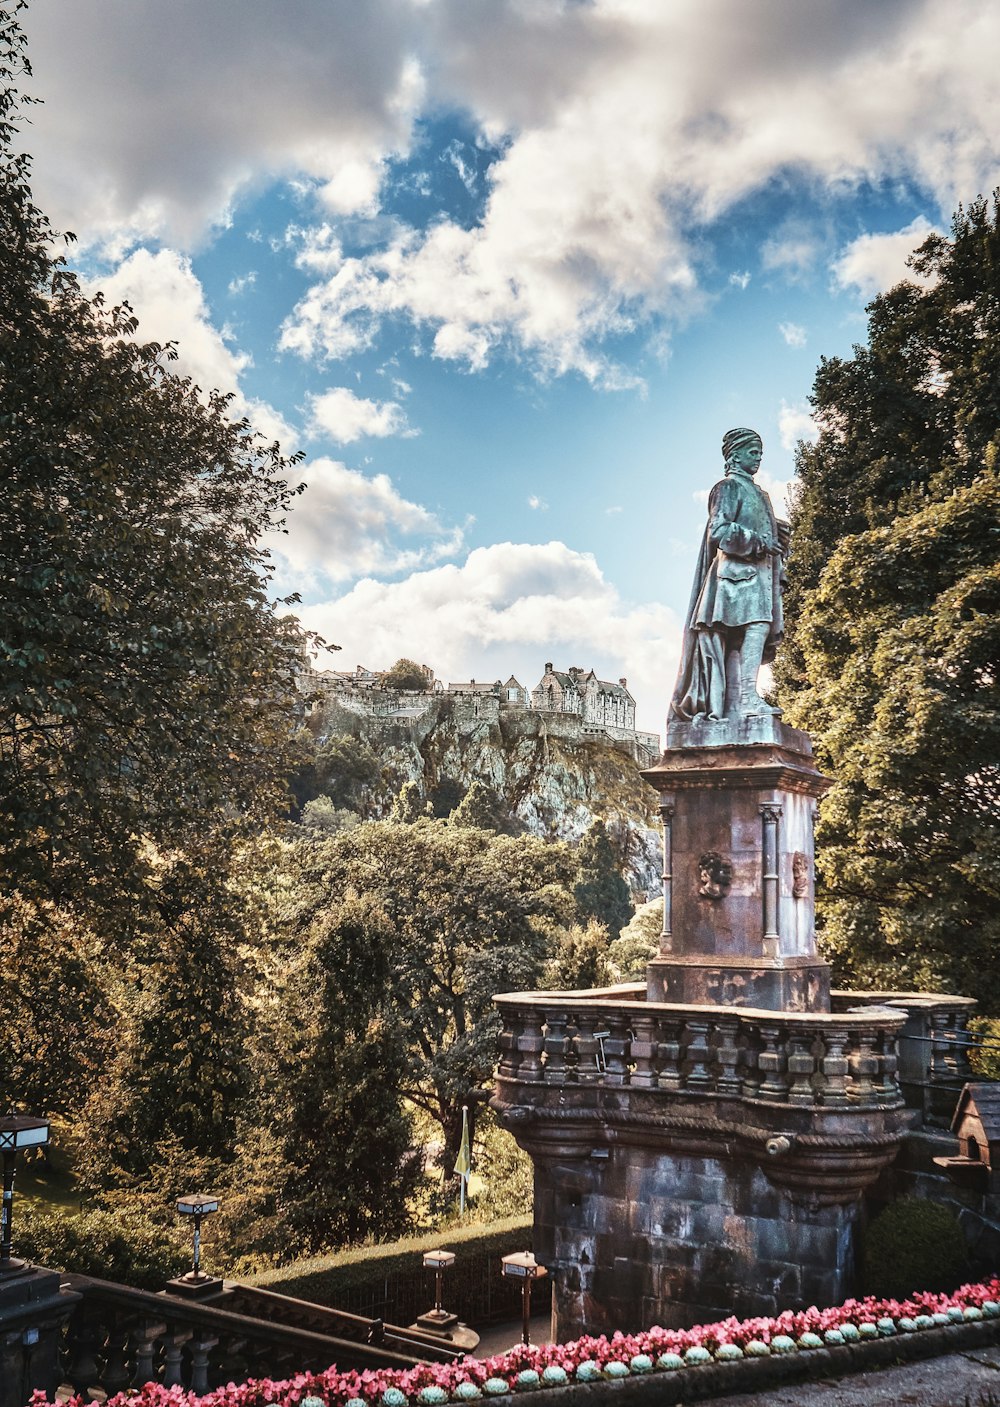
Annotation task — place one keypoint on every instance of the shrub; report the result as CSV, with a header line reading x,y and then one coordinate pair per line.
x,y
913,1242
107,1245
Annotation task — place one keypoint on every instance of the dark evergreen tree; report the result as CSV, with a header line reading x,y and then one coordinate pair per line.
x,y
601,892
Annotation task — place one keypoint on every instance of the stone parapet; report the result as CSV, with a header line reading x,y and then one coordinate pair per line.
x,y
695,1160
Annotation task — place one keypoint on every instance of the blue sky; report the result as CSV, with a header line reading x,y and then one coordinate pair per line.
x,y
507,270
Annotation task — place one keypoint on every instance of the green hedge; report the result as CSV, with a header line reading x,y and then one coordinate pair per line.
x,y
389,1281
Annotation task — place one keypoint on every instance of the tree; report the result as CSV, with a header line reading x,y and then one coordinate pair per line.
x,y
601,892
405,674
470,913
894,655
349,1168
146,684
485,808
580,959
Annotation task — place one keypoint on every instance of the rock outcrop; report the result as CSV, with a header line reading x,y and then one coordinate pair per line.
x,y
554,780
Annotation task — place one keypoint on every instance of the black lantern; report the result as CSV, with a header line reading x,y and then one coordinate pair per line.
x,y
196,1206
523,1266
17,1131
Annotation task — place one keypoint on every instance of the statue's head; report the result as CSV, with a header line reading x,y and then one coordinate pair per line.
x,y
742,449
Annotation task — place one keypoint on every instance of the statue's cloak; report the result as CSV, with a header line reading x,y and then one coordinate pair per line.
x,y
737,582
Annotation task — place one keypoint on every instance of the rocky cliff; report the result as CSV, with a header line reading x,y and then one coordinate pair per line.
x,y
554,781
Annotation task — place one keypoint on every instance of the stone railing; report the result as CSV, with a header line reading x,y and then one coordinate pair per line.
x,y
934,1046
117,1337
609,1038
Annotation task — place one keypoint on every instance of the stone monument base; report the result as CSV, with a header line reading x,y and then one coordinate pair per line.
x,y
649,1238
778,984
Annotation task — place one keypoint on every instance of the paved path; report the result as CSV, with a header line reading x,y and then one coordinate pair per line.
x,y
954,1380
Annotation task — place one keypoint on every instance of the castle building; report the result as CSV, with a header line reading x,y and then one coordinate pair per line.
x,y
597,701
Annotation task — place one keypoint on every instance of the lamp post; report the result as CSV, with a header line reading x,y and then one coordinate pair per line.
x,y
17,1131
196,1206
438,1318
523,1266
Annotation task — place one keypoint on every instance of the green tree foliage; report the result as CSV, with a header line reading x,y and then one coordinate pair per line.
x,y
483,807
55,1010
404,674
409,805
638,942
580,960
342,768
146,684
468,913
180,1067
601,892
349,1169
895,644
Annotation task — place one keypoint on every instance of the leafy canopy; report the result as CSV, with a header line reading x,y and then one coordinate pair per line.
x,y
893,660
146,684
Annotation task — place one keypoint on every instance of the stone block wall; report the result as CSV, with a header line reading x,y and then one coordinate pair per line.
x,y
644,1238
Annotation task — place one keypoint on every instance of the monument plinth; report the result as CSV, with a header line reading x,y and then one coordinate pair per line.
x,y
738,804
702,1142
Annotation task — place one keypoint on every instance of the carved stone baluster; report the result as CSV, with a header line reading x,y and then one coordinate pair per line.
x,y
668,1052
697,1053
772,1061
116,1374
200,1350
801,1066
940,1047
530,1043
963,1041
750,1062
616,1048
834,1067
727,1053
85,1337
589,1068
889,1090
509,1043
643,1052
556,1046
173,1353
863,1064
146,1337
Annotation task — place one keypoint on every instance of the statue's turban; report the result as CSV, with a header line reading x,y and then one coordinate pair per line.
x,y
733,440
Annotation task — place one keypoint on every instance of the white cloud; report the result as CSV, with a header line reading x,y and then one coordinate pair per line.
x,y
872,263
623,126
170,305
345,417
537,503
793,333
741,279
508,608
346,524
795,422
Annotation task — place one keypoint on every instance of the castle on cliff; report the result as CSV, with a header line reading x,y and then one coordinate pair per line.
x,y
585,705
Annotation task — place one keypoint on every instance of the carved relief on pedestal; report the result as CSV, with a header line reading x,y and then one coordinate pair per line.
x,y
731,988
800,875
715,875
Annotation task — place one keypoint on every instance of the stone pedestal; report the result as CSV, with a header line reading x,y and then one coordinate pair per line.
x,y
738,801
33,1310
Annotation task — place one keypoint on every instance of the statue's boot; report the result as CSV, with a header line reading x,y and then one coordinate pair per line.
x,y
751,657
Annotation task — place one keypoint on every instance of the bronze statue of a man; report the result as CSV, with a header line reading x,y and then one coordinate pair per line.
x,y
735,620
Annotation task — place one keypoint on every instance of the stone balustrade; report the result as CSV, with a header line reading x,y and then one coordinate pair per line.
x,y
610,1038
117,1337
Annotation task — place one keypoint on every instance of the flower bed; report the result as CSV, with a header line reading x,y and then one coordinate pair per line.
x,y
541,1367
